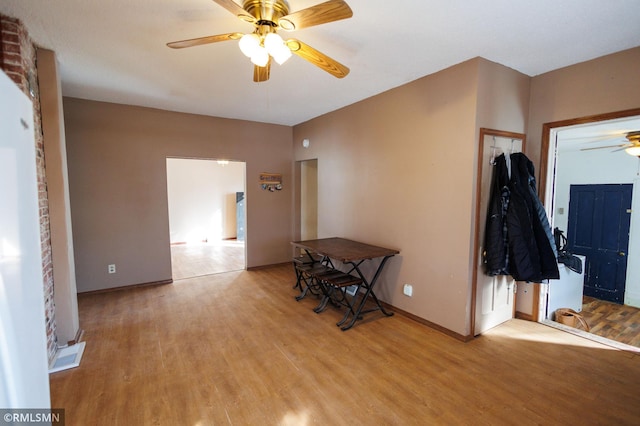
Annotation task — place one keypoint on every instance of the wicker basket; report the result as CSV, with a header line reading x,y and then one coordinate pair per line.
x,y
571,318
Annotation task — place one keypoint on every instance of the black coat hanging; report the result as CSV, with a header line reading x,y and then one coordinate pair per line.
x,y
518,238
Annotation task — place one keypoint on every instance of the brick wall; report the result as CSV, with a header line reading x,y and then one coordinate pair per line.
x,y
18,60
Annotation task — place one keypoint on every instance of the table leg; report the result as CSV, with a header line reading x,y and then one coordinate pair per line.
x,y
357,314
305,282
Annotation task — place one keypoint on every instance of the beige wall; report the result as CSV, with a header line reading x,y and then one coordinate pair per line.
x,y
399,170
503,97
607,84
117,178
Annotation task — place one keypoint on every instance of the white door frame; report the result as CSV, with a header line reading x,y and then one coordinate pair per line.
x,y
546,188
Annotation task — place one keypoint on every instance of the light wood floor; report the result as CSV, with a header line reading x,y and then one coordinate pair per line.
x,y
198,259
609,320
237,349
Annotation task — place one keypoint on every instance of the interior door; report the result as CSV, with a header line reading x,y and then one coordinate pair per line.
x,y
598,228
494,296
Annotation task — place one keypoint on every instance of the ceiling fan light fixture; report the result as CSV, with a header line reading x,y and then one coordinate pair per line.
x,y
272,42
633,150
260,57
276,48
282,55
249,44
264,44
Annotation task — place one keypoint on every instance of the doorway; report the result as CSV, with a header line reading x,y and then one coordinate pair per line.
x,y
207,222
309,199
305,226
590,151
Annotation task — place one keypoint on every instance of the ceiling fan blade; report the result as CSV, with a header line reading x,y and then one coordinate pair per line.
x,y
261,73
623,147
608,146
594,138
329,11
204,40
317,58
234,8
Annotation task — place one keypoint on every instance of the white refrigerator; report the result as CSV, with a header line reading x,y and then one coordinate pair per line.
x,y
24,377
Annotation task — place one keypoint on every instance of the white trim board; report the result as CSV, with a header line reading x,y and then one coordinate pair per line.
x,y
66,358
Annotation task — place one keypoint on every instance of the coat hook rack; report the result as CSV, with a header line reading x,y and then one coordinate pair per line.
x,y
492,157
496,150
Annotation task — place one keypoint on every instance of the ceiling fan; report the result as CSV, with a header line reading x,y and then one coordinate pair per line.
x,y
632,147
264,44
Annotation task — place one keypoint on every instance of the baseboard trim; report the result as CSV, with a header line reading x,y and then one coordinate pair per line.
x,y
428,323
257,268
76,338
523,316
127,287
67,357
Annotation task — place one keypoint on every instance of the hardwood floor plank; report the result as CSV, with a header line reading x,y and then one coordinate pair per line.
x,y
238,349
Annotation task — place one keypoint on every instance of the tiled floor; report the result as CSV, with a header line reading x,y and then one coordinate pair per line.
x,y
616,322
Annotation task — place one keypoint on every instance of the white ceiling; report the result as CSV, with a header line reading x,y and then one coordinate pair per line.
x,y
115,50
608,135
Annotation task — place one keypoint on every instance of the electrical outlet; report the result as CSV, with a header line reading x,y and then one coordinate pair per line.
x,y
111,268
408,290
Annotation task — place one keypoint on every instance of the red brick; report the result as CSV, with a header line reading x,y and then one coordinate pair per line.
x,y
17,69
8,37
12,58
10,25
11,48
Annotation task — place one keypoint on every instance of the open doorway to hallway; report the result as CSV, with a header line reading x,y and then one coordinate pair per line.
x,y
309,199
207,221
585,157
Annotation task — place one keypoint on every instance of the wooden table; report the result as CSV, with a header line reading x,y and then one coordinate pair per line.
x,y
353,253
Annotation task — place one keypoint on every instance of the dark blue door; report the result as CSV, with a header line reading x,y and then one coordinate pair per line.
x,y
598,228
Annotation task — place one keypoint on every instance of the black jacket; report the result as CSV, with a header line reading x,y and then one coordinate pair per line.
x,y
518,238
